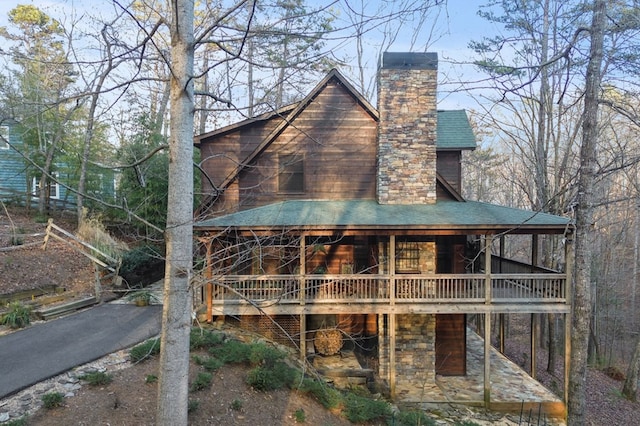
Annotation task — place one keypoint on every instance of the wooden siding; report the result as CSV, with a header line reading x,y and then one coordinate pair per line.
x,y
336,138
448,165
451,348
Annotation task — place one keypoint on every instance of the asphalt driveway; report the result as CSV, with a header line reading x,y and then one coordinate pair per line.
x,y
45,350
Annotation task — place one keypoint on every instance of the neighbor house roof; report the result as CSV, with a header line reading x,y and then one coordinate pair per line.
x,y
368,214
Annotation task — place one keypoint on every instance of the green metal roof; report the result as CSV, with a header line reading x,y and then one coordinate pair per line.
x,y
368,214
454,130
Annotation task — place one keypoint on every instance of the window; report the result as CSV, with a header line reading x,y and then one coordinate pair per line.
x,y
291,174
54,187
4,137
407,257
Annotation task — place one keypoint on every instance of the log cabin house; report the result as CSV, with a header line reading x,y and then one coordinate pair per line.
x,y
330,213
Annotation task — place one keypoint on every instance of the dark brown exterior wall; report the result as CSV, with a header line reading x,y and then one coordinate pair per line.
x,y
336,137
448,165
221,154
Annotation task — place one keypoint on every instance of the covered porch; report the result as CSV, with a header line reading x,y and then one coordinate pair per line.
x,y
415,270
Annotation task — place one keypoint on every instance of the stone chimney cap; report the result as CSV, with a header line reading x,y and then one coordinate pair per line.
x,y
410,60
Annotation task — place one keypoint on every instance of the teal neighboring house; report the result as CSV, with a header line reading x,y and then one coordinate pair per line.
x,y
20,180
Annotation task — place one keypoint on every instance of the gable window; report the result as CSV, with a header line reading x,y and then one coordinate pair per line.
x,y
290,174
54,187
4,137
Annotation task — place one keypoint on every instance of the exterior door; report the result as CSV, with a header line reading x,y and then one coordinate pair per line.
x,y
451,344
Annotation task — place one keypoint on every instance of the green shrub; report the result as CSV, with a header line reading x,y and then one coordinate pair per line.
x,y
300,415
209,363
97,378
22,421
17,316
359,409
192,405
327,396
236,405
232,351
204,339
272,377
145,350
412,418
151,378
203,381
52,400
264,354
134,259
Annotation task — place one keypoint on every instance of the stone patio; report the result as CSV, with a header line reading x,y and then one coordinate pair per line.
x,y
512,389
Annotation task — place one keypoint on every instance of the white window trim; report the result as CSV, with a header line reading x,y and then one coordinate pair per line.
x,y
55,186
4,137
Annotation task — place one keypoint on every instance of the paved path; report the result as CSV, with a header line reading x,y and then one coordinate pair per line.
x,y
45,350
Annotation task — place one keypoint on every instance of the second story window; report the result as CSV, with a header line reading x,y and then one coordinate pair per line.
x,y
290,174
4,137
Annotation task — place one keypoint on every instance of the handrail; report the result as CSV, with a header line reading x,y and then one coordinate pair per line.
x,y
375,288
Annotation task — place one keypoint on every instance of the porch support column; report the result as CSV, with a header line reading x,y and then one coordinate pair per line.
x,y
487,359
487,321
392,316
501,331
534,344
534,252
208,274
301,295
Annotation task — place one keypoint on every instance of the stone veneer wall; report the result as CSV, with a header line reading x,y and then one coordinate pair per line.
x,y
415,355
415,343
407,129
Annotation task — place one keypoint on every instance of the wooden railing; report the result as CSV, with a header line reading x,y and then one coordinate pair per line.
x,y
366,288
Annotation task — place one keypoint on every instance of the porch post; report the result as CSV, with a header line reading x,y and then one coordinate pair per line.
x,y
487,321
502,332
534,252
209,276
302,268
534,345
487,269
487,359
301,295
392,316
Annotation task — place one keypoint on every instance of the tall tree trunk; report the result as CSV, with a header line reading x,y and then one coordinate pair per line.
x,y
630,387
584,223
176,316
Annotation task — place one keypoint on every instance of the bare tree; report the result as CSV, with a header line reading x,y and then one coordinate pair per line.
x,y
584,221
176,315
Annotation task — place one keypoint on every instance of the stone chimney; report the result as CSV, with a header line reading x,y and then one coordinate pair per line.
x,y
407,85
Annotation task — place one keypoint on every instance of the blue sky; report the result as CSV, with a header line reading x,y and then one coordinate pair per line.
x,y
457,25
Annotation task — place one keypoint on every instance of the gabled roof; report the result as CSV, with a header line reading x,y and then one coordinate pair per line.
x,y
308,215
454,131
295,112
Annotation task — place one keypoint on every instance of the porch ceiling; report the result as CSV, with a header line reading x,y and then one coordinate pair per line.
x,y
368,215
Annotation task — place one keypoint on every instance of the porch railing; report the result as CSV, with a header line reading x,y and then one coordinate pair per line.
x,y
367,288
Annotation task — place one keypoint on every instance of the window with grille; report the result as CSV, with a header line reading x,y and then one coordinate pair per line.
x,y
291,174
407,257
